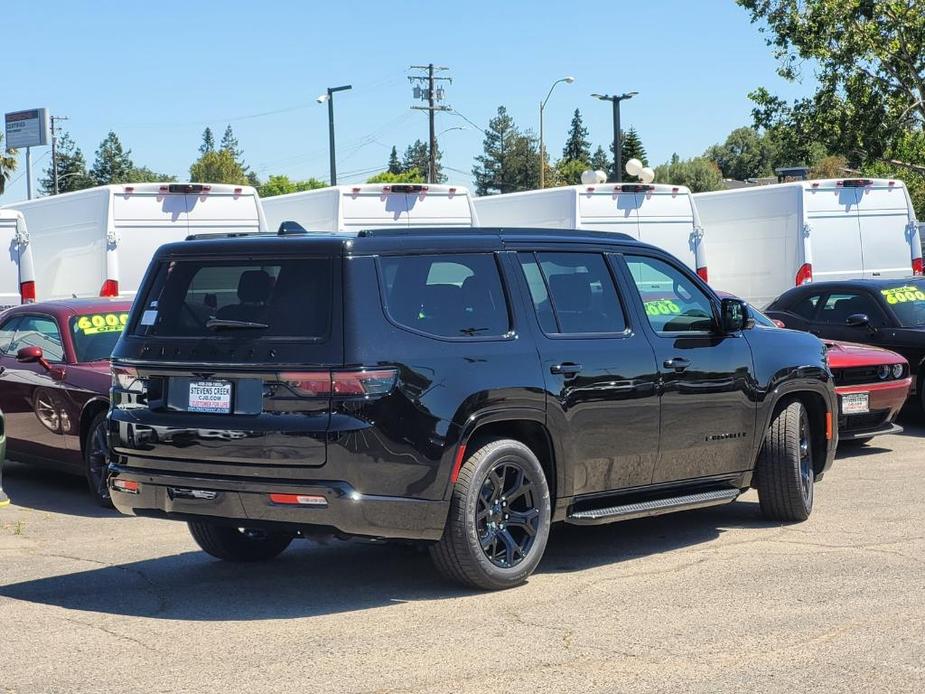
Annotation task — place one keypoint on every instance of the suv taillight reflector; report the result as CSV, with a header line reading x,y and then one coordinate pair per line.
x,y
323,383
27,292
128,486
804,274
917,266
299,499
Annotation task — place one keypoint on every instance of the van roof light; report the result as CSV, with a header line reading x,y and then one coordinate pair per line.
x,y
635,188
188,188
409,188
855,182
238,191
129,189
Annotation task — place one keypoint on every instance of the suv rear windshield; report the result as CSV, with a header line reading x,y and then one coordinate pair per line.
x,y
250,297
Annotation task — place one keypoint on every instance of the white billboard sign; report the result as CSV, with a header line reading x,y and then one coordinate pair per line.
x,y
26,128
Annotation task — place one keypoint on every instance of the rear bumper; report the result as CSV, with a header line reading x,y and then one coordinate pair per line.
x,y
247,502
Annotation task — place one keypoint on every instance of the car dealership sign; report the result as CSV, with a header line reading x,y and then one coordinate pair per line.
x,y
26,128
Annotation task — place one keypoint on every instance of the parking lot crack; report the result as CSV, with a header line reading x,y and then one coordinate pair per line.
x,y
114,634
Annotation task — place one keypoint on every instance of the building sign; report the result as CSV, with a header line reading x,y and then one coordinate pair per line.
x,y
26,128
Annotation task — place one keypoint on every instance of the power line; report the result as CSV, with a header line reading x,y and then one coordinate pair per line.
x,y
432,94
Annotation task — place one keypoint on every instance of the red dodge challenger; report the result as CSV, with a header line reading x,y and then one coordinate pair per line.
x,y
872,385
54,383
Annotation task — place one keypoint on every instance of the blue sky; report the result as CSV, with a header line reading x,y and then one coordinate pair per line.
x,y
158,73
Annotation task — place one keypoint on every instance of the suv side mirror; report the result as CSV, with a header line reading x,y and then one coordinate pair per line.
x,y
858,320
735,316
30,355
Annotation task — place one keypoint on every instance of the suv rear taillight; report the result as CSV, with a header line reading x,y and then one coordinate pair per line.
x,y
917,266
27,292
372,382
804,274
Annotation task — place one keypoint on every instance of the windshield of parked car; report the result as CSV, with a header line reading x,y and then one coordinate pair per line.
x,y
760,318
907,300
95,334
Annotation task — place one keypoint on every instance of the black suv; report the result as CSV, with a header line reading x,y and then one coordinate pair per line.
x,y
463,387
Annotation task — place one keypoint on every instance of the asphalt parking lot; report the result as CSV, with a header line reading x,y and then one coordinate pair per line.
x,y
706,601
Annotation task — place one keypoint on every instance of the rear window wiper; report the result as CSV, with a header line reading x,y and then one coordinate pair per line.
x,y
219,323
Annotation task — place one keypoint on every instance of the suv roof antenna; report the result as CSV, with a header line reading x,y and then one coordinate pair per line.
x,y
290,227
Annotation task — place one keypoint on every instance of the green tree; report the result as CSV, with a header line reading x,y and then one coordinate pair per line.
x,y
282,185
7,165
410,176
631,147
510,159
904,160
113,164
417,156
567,172
744,154
577,147
869,64
72,168
395,166
599,160
832,166
208,141
217,167
230,144
142,174
699,174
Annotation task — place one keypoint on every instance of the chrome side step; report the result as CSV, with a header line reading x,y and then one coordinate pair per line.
x,y
653,507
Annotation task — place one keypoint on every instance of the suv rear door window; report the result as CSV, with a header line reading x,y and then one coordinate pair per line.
x,y
573,293
256,298
457,295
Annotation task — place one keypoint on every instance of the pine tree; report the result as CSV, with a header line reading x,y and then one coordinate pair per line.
x,y
208,141
417,156
394,162
72,168
112,163
510,159
577,147
599,160
229,144
630,148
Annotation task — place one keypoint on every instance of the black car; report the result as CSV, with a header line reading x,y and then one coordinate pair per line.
x,y
884,313
462,387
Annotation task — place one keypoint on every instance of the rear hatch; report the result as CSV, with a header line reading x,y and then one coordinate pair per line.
x,y
230,363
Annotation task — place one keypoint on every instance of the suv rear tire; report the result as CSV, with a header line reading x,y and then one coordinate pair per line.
x,y
238,544
499,518
785,466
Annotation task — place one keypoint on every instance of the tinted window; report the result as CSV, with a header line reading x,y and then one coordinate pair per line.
x,y
838,307
573,293
95,334
7,330
252,298
907,301
671,300
39,331
447,295
806,307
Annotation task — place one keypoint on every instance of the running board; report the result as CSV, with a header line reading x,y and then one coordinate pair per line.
x,y
653,507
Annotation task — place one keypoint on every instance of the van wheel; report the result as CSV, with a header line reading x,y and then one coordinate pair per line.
x,y
96,461
238,544
498,522
785,466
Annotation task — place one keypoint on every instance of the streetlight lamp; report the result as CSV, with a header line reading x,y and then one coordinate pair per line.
x,y
618,155
567,80
329,97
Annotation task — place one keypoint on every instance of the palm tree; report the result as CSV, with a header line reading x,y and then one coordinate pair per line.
x,y
7,165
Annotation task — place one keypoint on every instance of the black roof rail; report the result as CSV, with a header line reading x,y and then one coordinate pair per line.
x,y
226,235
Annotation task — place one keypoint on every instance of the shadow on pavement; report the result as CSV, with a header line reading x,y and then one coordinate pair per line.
x,y
47,489
910,419
313,579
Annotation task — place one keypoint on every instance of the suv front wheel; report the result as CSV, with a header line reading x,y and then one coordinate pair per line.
x,y
499,515
238,544
785,474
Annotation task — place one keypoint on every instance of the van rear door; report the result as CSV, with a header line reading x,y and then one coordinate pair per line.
x,y
437,206
11,237
666,220
835,237
609,209
883,219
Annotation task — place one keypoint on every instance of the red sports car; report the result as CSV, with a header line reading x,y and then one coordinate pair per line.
x,y
54,383
872,385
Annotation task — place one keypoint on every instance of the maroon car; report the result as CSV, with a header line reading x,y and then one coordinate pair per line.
x,y
54,383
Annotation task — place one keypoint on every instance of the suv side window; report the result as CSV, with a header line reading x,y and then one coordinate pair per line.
x,y
838,306
39,331
672,302
450,295
573,293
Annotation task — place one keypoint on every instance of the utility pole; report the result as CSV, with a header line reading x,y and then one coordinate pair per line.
x,y
432,94
617,152
54,158
329,98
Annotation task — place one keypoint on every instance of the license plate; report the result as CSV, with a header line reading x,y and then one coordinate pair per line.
x,y
210,396
855,403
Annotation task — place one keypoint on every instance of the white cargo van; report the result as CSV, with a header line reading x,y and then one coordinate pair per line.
x,y
341,208
662,215
99,241
766,239
17,282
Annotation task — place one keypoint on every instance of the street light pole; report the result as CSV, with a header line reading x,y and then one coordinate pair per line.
x,y
329,97
617,151
567,80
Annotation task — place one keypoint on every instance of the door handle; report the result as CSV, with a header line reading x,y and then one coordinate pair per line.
x,y
676,363
566,368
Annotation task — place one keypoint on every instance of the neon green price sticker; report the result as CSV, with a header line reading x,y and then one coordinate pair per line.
x,y
900,295
102,323
662,307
